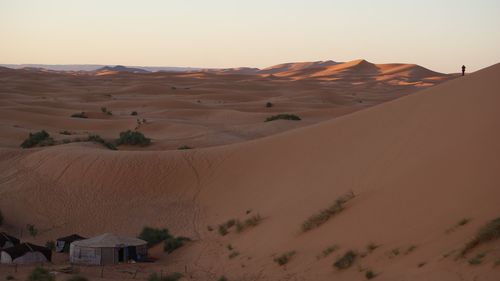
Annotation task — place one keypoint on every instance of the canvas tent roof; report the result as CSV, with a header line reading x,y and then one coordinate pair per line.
x,y
71,238
109,240
21,249
4,237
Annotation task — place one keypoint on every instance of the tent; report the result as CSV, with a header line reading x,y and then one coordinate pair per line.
x,y
7,241
25,253
62,244
106,249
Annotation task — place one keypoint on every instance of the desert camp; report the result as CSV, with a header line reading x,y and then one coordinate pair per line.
x,y
25,253
63,243
7,241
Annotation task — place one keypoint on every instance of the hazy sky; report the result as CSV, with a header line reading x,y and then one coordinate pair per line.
x,y
439,34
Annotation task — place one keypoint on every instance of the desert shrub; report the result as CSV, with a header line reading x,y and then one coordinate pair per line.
x,y
269,104
283,117
184,147
1,218
326,252
133,138
463,222
371,247
410,249
134,113
40,274
370,274
51,245
98,139
324,215
284,258
395,252
250,222
77,278
32,230
39,138
421,264
173,243
79,115
106,111
222,278
490,231
224,227
478,259
346,260
65,132
170,277
233,254
154,235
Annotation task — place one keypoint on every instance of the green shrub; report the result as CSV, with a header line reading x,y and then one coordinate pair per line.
x,y
98,139
326,252
284,258
40,274
173,243
51,245
283,117
224,228
133,138
346,260
77,278
41,138
32,230
250,222
370,274
153,235
170,277
324,215
79,115
490,231
184,147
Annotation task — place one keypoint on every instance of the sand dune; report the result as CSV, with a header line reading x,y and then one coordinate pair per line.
x,y
417,165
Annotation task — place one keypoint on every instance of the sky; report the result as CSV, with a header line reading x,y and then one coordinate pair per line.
x,y
438,34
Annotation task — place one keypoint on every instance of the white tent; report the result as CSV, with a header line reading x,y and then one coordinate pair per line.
x,y
25,253
107,249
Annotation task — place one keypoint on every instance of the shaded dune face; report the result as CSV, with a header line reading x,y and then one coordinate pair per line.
x,y
417,166
198,109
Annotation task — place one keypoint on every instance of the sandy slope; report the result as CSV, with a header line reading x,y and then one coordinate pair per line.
x,y
418,165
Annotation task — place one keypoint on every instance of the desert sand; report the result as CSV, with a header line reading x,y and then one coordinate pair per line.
x,y
418,162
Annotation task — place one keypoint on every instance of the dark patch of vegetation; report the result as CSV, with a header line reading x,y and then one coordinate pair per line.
x,y
77,278
224,228
65,132
269,104
173,243
106,111
283,117
40,274
489,232
133,138
233,254
153,235
184,147
209,228
324,215
250,222
370,274
98,139
133,113
497,263
422,264
173,88
170,277
478,259
51,245
395,252
460,223
32,230
346,260
284,258
410,249
79,115
463,222
222,278
229,247
41,138
326,252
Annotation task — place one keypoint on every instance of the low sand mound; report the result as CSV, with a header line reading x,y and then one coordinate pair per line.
x,y
417,165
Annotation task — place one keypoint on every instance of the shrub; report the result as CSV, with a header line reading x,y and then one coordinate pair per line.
x,y
324,215
77,278
490,231
283,117
269,104
79,115
346,260
222,278
250,222
478,259
32,230
233,254
370,274
421,264
153,235
39,138
173,243
106,111
284,258
40,274
371,247
134,113
223,228
184,147
326,252
51,245
133,138
98,139
171,277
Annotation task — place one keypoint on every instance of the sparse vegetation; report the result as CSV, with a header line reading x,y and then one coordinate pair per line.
x,y
370,274
173,243
41,138
77,278
40,274
79,115
133,113
326,252
421,264
229,247
478,259
410,249
32,230
154,235
209,228
65,132
284,258
250,222
222,278
395,252
51,245
324,215
184,147
224,228
371,247
460,223
269,104
490,231
170,277
106,111
346,260
463,222
98,139
233,254
497,263
283,117
133,138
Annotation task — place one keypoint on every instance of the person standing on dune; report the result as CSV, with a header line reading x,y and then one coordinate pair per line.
x,y
463,70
